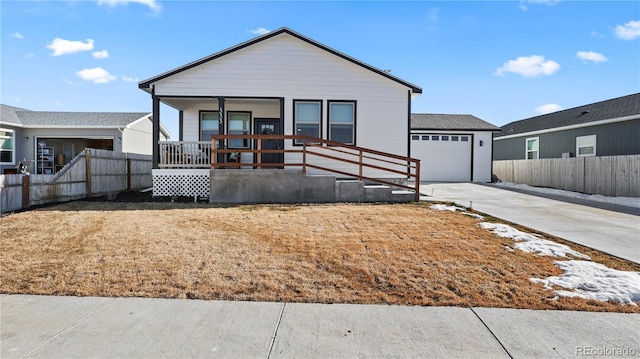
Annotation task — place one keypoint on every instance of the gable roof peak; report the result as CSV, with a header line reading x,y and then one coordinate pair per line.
x,y
146,84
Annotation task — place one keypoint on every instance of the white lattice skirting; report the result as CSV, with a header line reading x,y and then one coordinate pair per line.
x,y
181,182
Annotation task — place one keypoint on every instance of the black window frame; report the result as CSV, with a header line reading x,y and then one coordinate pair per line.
x,y
246,143
295,120
353,125
200,130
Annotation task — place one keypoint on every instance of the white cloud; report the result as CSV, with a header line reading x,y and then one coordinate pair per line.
x,y
529,66
64,47
548,108
129,79
100,54
433,16
523,3
592,56
97,75
17,35
596,34
152,4
260,31
628,31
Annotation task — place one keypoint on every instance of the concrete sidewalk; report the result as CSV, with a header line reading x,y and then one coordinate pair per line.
x,y
608,231
72,327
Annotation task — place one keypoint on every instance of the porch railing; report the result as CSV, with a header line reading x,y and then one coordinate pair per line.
x,y
311,148
185,154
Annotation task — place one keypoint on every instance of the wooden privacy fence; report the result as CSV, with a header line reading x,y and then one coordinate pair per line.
x,y
616,176
90,174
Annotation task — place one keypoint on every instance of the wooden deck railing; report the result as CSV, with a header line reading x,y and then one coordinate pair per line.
x,y
185,154
311,148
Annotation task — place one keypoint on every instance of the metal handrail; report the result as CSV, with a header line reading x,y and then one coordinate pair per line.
x,y
309,147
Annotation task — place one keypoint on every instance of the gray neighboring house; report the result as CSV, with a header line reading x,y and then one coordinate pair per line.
x,y
452,148
54,138
605,128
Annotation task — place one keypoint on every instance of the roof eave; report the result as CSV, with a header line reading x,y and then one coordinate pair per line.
x,y
569,127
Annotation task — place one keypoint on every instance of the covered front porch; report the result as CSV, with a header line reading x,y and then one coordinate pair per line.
x,y
332,171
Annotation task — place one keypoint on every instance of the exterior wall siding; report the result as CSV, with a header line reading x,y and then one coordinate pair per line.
x,y
482,162
138,138
613,139
286,67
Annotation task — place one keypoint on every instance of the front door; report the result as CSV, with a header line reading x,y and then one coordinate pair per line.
x,y
270,126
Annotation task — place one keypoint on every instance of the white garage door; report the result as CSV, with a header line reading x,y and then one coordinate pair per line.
x,y
443,157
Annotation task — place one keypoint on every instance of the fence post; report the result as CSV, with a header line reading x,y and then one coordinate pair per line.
x,y
360,165
304,156
259,153
417,181
26,185
87,158
128,174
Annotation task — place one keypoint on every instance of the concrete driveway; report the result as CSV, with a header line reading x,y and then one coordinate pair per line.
x,y
608,231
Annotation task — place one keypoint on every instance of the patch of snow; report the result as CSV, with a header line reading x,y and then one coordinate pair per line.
x,y
624,201
530,243
474,215
442,207
591,280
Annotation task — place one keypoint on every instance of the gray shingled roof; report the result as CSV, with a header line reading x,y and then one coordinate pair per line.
x,y
615,108
433,121
79,119
24,117
8,114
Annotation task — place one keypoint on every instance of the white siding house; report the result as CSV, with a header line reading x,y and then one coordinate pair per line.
x,y
452,148
293,85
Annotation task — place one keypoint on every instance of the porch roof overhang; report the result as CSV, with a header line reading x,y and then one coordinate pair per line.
x,y
181,102
147,85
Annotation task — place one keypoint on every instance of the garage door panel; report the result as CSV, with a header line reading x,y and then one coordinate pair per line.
x,y
443,160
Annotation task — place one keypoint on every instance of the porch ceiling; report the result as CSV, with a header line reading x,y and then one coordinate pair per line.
x,y
183,103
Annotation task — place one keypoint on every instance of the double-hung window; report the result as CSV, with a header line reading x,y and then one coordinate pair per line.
x,y
209,125
7,146
239,124
586,146
342,120
532,152
307,117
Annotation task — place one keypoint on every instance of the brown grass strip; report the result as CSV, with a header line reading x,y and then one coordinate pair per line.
x,y
404,254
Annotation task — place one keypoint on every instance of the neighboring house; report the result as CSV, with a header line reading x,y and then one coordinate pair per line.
x,y
285,83
52,139
605,128
452,148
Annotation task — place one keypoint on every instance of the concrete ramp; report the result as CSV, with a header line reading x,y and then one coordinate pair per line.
x,y
293,186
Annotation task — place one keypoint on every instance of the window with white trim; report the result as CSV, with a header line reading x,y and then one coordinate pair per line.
x,y
307,118
586,146
532,152
7,146
342,120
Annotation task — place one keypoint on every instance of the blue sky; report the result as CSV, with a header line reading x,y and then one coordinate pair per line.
x,y
501,61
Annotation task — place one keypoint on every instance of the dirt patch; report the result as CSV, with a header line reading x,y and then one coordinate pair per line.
x,y
341,253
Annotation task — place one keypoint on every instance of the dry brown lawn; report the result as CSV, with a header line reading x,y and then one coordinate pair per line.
x,y
403,254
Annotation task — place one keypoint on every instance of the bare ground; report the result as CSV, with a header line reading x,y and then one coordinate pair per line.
x,y
403,254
